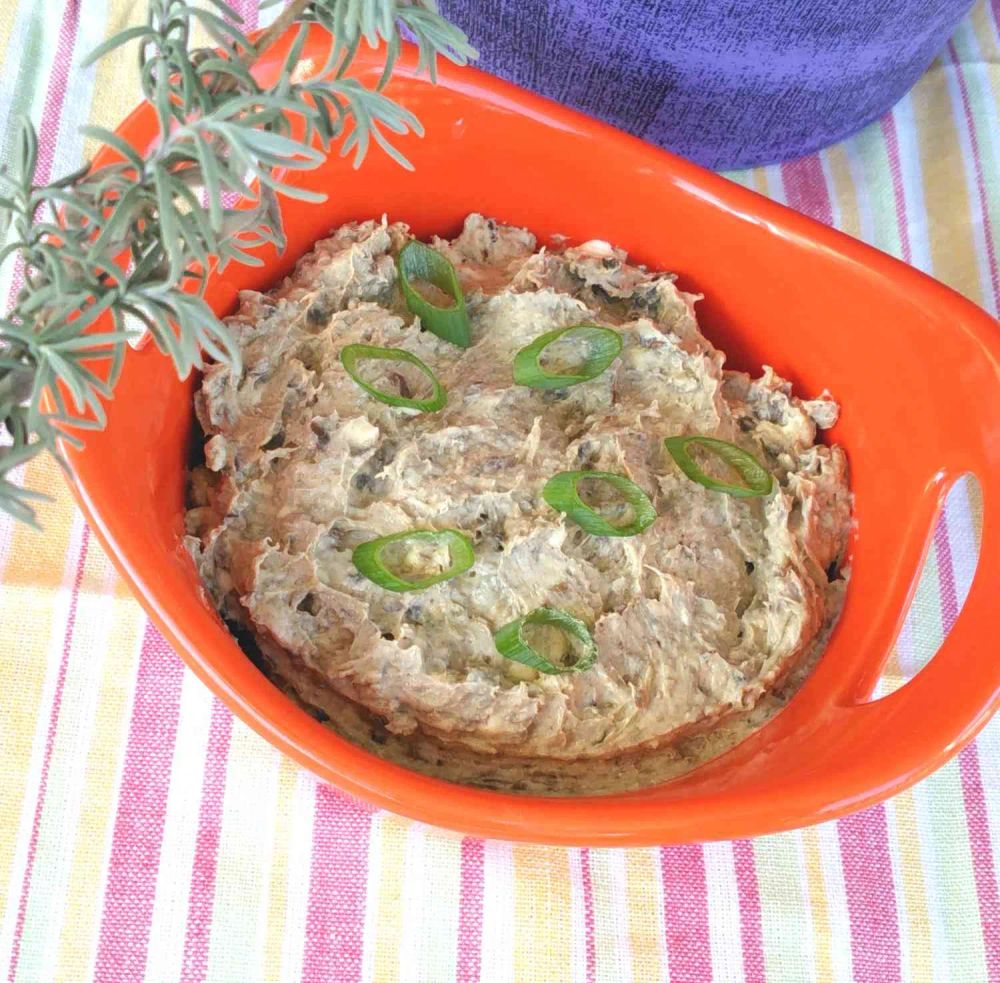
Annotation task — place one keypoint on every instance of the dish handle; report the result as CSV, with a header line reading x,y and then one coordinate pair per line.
x,y
942,707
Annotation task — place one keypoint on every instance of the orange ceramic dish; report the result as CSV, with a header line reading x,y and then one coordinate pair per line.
x,y
915,367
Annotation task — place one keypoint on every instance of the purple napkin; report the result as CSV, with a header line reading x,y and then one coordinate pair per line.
x,y
728,83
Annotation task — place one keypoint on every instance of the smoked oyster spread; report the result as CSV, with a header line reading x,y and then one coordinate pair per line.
x,y
495,511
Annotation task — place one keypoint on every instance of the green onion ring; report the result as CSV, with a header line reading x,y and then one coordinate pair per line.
x,y
368,558
605,346
419,262
561,493
350,355
511,644
758,482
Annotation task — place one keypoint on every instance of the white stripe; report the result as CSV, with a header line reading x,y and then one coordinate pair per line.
x,y
912,178
962,538
33,778
438,923
75,110
246,839
611,922
16,49
412,903
577,918
724,927
661,910
7,523
497,952
373,885
775,185
57,839
987,749
300,836
950,73
832,866
165,954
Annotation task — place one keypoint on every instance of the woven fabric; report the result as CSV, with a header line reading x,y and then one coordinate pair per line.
x,y
146,835
724,82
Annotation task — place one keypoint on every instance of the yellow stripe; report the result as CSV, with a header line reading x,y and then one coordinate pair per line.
x,y
8,14
278,893
844,191
975,494
914,889
28,602
392,835
116,76
982,27
642,873
818,903
102,765
542,936
946,197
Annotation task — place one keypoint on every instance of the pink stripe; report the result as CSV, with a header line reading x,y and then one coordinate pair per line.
x,y
335,922
748,891
805,188
871,896
470,912
142,809
206,850
50,738
973,794
888,125
588,914
980,183
685,913
248,10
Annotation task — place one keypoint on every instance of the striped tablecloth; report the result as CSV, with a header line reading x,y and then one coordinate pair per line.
x,y
146,835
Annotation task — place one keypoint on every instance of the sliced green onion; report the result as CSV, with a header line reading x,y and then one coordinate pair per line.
x,y
561,493
511,643
757,481
603,344
368,558
350,355
419,262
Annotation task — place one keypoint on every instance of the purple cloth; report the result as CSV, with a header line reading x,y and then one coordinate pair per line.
x,y
728,83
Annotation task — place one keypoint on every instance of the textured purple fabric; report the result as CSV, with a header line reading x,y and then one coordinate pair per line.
x,y
728,83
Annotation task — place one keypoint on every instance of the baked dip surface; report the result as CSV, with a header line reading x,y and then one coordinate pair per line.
x,y
700,621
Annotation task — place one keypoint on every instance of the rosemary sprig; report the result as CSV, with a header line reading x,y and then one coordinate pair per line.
x,y
134,239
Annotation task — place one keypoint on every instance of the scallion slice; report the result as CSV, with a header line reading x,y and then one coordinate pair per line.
x,y
511,643
603,347
368,558
757,481
419,262
562,494
350,355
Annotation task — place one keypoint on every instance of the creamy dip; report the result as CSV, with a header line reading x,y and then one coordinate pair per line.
x,y
696,619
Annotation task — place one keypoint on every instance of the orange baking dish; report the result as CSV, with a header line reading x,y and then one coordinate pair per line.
x,y
914,366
